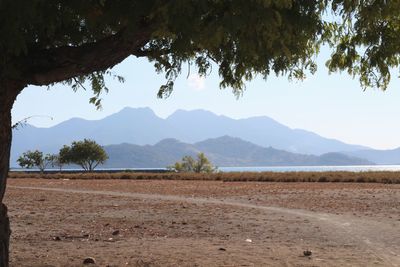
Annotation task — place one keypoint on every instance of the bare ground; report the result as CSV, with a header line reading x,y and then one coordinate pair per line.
x,y
203,223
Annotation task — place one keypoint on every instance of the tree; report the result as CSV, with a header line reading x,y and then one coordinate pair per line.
x,y
64,155
87,154
36,158
46,42
56,162
203,164
188,164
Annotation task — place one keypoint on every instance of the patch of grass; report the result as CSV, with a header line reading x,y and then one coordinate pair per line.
x,y
321,177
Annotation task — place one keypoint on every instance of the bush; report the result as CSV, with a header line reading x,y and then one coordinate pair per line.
x,y
188,164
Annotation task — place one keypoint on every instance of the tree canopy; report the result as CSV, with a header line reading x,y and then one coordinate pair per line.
x,y
87,154
365,41
44,42
36,159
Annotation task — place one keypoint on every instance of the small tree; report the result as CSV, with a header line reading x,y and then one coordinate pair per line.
x,y
55,161
87,154
64,155
203,164
188,164
35,158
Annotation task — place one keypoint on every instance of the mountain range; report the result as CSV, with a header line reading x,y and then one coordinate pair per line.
x,y
390,156
224,151
141,127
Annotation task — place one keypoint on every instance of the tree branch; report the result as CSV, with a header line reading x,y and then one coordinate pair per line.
x,y
97,164
43,67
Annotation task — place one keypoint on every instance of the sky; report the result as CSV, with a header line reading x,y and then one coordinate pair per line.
x,y
332,105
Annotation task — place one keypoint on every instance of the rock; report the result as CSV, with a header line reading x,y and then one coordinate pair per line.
x,y
307,253
89,260
116,232
56,238
222,249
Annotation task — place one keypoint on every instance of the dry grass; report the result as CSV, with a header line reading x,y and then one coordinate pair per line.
x,y
347,177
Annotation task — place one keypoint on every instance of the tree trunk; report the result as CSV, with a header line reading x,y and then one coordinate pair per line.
x,y
5,233
8,94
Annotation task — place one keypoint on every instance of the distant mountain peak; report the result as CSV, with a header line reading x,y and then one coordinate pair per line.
x,y
193,114
129,114
225,139
130,109
135,111
168,141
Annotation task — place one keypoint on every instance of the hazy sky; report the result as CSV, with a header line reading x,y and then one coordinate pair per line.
x,y
333,105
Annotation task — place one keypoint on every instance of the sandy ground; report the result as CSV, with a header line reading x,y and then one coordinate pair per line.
x,y
198,223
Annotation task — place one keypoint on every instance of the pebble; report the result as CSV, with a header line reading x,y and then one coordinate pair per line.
x,y
307,253
89,260
116,232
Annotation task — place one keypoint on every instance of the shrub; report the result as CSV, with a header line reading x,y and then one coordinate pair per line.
x,y
188,164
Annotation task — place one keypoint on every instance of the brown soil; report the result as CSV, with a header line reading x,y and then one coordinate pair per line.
x,y
203,223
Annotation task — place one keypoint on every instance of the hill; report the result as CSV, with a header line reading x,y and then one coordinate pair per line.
x,y
224,151
390,156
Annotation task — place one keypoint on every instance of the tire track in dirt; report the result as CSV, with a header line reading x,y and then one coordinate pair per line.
x,y
362,231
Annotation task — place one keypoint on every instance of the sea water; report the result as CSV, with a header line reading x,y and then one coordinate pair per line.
x,y
352,168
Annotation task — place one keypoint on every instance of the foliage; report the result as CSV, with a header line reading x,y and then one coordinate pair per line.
x,y
64,155
56,161
87,154
36,158
364,39
188,164
171,34
78,42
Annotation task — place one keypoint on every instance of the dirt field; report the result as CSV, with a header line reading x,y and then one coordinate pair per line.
x,y
203,223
